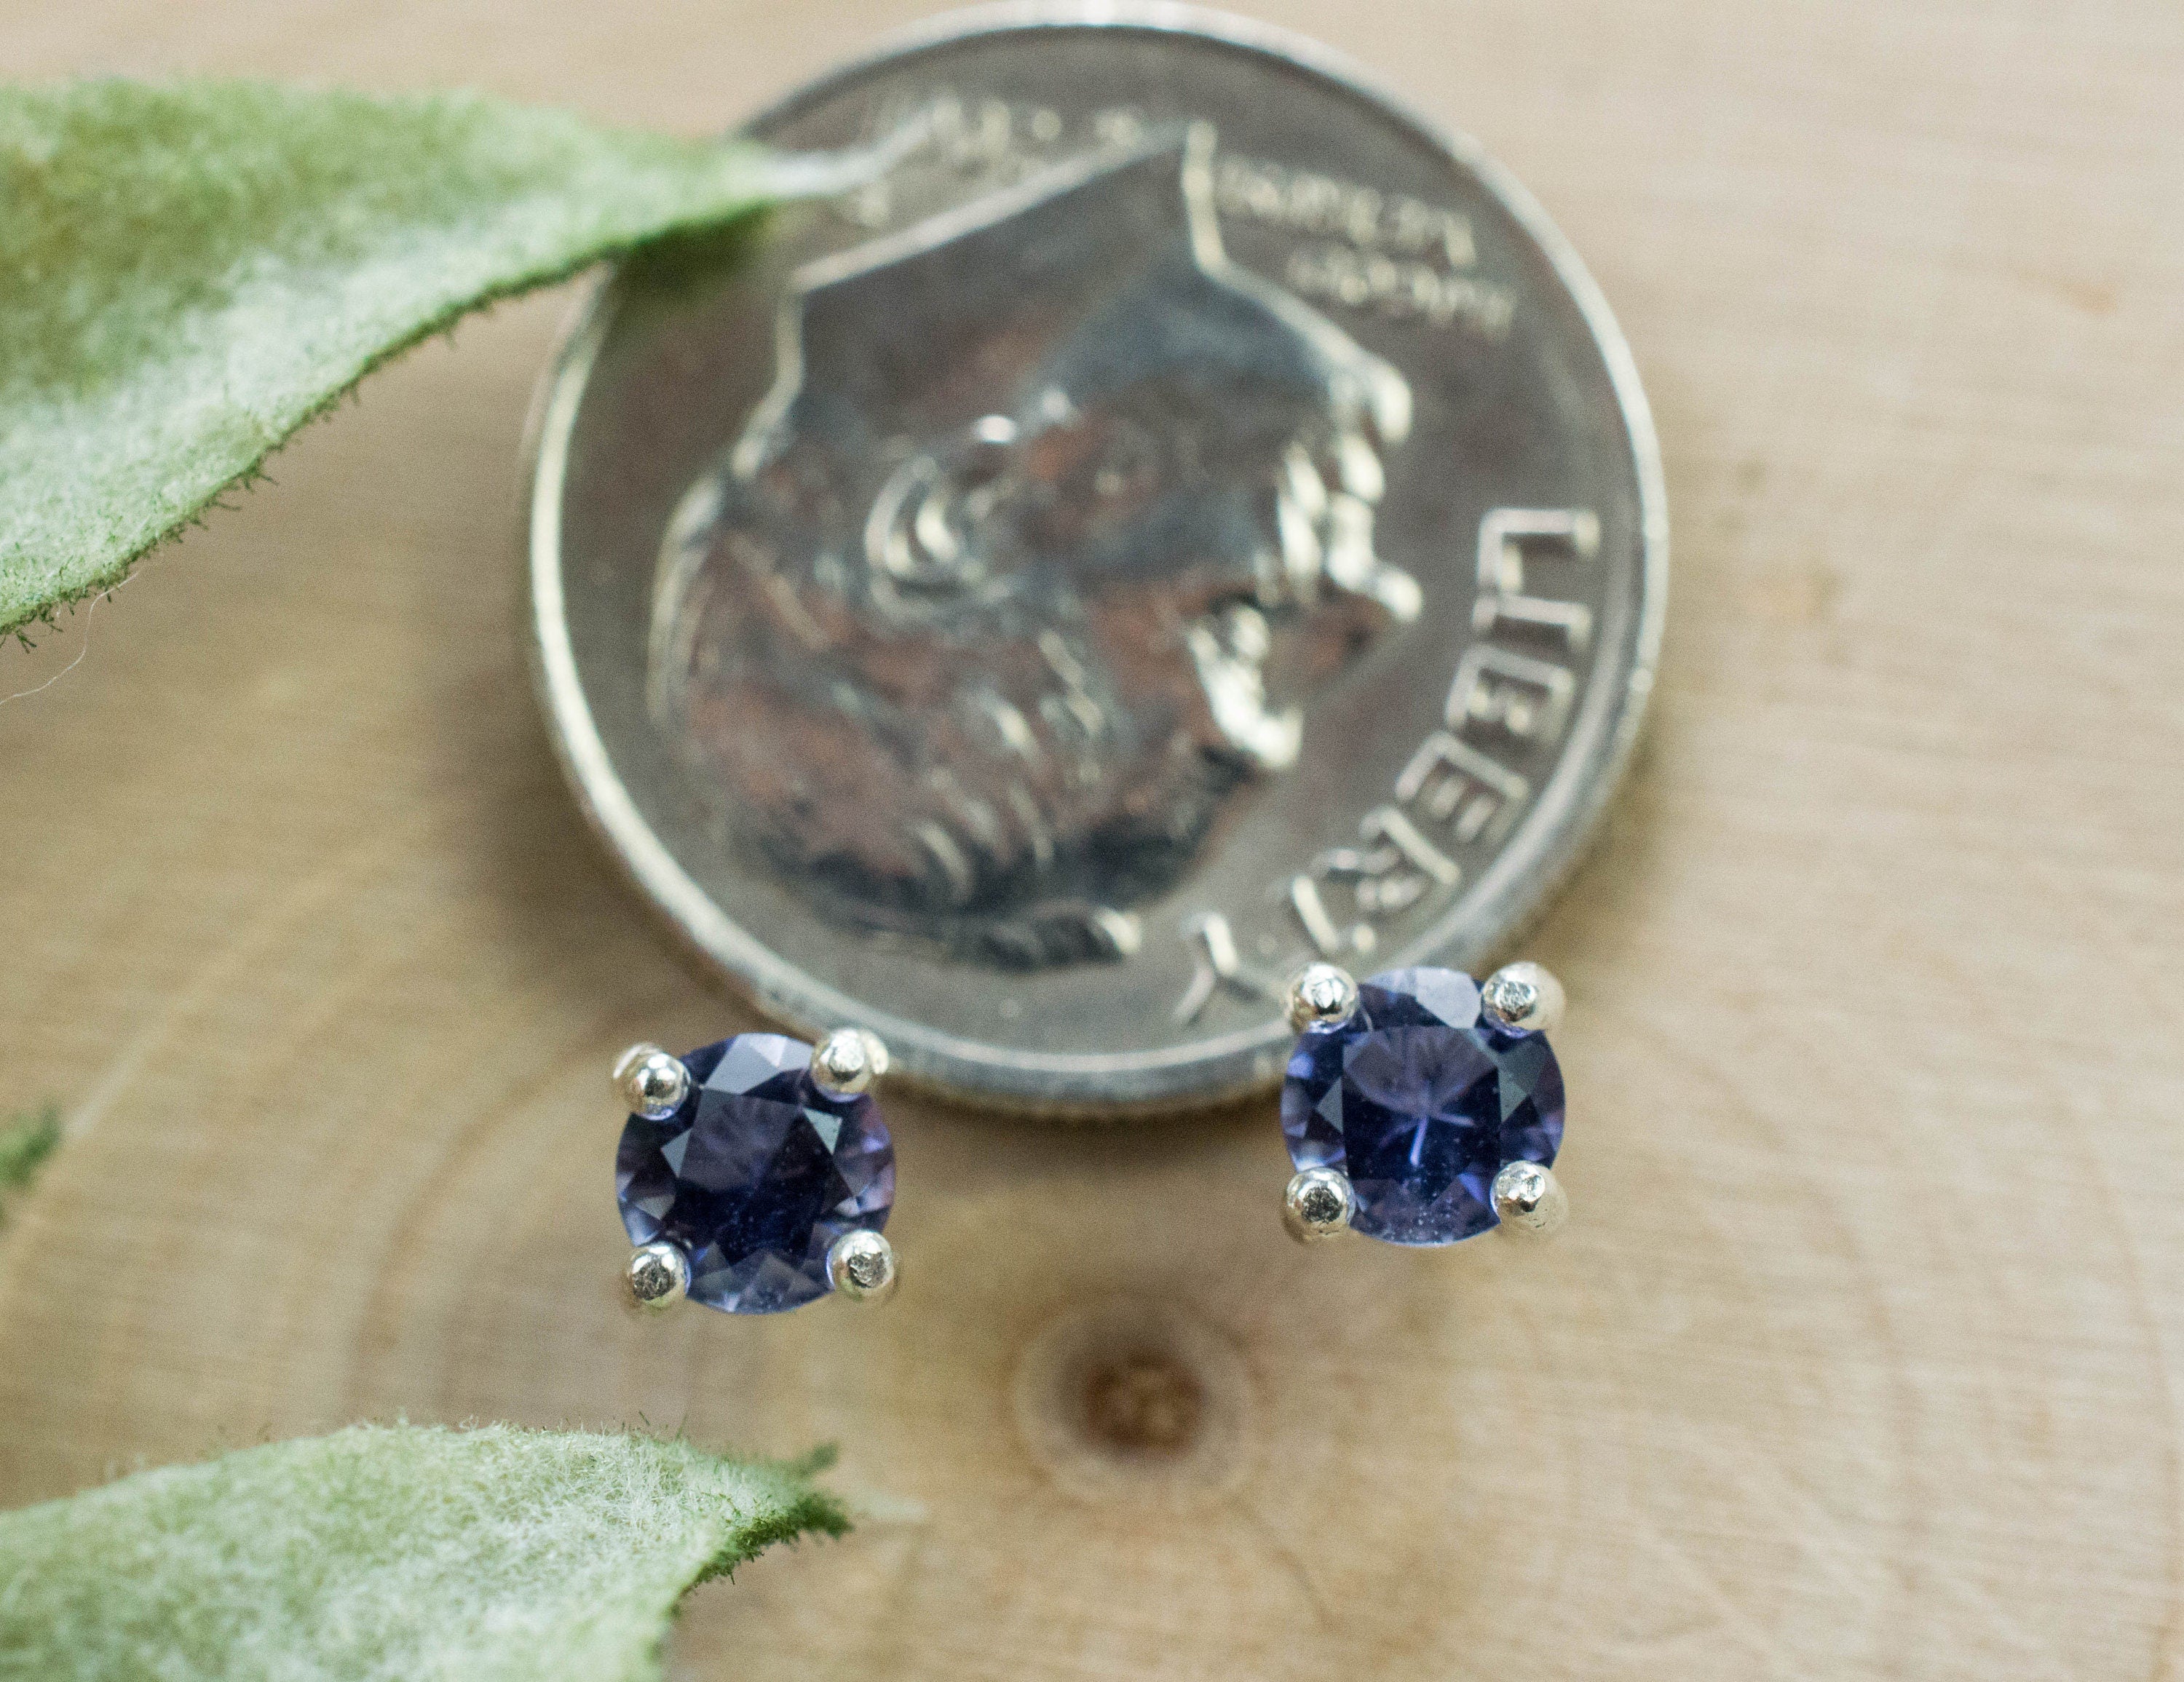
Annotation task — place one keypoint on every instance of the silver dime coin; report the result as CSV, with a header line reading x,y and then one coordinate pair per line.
x,y
1183,516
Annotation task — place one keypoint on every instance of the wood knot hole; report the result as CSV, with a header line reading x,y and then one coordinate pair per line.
x,y
1142,1402
1131,1399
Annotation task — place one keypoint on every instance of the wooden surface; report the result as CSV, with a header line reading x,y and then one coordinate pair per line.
x,y
1862,1356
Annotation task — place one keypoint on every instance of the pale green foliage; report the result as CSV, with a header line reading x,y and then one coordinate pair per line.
x,y
26,1142
388,1554
193,271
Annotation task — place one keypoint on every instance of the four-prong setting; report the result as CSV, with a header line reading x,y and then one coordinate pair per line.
x,y
1523,998
1529,1200
861,1266
658,1276
849,1060
651,1082
1414,1099
753,1174
1319,1205
1322,996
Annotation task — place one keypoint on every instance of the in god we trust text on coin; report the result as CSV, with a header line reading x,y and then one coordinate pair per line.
x,y
1182,519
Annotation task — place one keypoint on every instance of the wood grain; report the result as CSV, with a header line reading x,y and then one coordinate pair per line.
x,y
1861,1357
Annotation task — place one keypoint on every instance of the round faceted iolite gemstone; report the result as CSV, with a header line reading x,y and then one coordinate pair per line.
x,y
1421,1101
757,1175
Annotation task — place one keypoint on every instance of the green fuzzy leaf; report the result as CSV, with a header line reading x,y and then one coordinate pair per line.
x,y
389,1554
193,271
26,1142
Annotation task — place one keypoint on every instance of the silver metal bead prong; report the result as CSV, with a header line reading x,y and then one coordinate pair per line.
x,y
847,1061
1529,1200
1524,999
1320,995
861,1266
658,1276
1319,1205
651,1083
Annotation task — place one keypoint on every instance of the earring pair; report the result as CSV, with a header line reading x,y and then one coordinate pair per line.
x,y
1420,1107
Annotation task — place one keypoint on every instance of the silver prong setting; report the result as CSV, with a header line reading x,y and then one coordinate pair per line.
x,y
861,1266
1318,1205
658,1276
1524,999
1529,1200
847,1061
1320,996
650,1082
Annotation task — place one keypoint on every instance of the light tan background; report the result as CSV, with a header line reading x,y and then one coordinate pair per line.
x,y
1862,1356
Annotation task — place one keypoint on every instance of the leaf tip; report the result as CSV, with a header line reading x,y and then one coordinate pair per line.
x,y
26,1141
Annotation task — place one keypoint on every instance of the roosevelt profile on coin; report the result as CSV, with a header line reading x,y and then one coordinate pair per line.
x,y
1022,573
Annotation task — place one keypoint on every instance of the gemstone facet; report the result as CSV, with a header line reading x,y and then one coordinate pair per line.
x,y
1421,1100
756,1174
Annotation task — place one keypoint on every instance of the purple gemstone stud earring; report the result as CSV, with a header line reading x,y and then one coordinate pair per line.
x,y
1421,1107
754,1174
